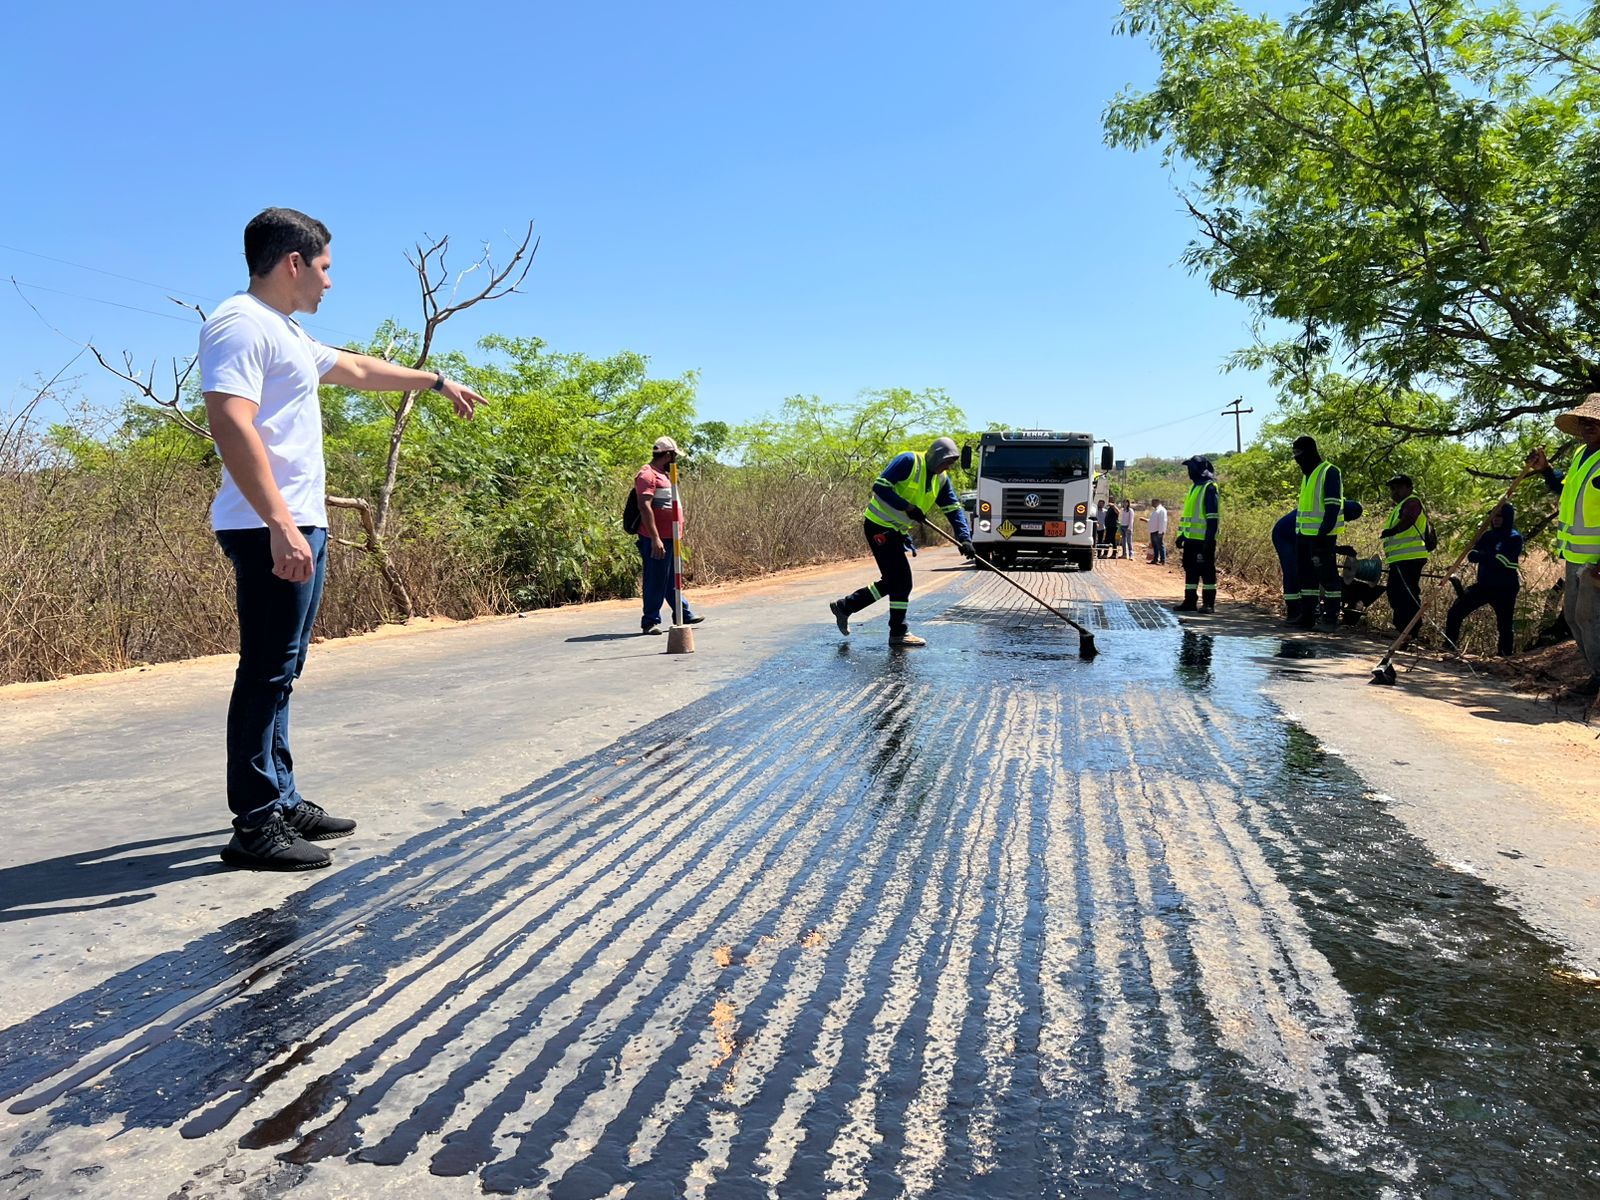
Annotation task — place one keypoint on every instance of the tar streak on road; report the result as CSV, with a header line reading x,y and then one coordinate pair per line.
x,y
979,920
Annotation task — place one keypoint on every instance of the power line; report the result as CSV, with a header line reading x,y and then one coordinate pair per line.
x,y
1166,425
39,287
65,262
210,300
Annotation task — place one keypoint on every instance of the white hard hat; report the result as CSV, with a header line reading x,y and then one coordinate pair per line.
x,y
665,445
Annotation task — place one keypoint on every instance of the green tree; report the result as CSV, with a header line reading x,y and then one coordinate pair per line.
x,y
840,441
1414,187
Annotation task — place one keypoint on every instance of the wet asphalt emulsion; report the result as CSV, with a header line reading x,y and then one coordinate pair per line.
x,y
975,920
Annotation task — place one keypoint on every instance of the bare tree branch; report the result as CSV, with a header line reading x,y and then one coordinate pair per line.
x,y
173,405
432,275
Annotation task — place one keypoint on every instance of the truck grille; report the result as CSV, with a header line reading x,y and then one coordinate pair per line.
x,y
1014,504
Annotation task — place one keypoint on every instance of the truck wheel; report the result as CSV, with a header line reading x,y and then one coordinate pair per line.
x,y
1086,560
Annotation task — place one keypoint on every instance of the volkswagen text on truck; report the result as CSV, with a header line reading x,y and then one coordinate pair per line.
x,y
1035,495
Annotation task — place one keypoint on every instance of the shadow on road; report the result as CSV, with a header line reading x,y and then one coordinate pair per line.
x,y
115,872
605,637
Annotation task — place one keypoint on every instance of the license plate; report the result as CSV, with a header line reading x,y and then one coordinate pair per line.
x,y
1030,526
1055,529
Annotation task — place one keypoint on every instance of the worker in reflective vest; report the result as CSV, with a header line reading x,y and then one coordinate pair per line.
x,y
1285,541
1319,516
1405,550
911,487
1197,536
1578,530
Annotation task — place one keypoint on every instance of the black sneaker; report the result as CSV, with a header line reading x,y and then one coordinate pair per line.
x,y
273,847
313,823
655,629
694,620
840,617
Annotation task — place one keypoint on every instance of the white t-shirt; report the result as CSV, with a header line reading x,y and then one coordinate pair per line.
x,y
1158,519
250,349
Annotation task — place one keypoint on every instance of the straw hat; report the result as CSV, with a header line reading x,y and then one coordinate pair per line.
x,y
1567,422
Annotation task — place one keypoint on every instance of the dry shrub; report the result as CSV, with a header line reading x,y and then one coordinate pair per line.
x,y
749,521
109,567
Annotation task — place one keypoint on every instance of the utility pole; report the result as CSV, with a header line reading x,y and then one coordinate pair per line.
x,y
1234,411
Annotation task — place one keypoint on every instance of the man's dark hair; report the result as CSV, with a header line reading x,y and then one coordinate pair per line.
x,y
274,233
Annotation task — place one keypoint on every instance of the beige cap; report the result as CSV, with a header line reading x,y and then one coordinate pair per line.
x,y
665,445
1567,422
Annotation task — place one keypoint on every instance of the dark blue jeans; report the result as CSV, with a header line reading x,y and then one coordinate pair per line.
x,y
658,585
275,619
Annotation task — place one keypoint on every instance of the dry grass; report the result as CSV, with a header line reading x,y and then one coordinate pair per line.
x,y
112,563
110,568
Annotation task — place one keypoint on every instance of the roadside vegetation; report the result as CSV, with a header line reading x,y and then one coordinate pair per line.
x,y
107,560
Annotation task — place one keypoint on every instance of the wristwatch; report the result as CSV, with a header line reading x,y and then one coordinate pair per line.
x,y
438,383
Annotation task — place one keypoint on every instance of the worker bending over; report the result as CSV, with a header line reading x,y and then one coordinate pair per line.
x,y
912,486
1197,535
1285,539
1406,543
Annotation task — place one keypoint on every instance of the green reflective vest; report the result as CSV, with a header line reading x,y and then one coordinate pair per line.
x,y
920,488
1578,521
1192,520
1308,513
1411,542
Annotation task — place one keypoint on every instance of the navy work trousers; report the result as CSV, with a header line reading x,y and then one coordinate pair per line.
x,y
275,619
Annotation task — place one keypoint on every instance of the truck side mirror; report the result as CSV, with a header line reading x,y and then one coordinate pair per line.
x,y
966,457
1108,458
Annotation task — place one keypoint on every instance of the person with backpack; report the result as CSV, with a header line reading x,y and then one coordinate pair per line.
x,y
654,515
1407,542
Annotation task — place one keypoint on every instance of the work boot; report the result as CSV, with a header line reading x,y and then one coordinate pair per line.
x,y
1188,604
905,639
314,824
841,618
274,846
1209,604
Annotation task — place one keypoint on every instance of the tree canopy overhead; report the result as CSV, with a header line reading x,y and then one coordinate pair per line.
x,y
1413,185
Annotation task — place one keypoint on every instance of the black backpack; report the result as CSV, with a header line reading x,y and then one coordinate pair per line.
x,y
630,512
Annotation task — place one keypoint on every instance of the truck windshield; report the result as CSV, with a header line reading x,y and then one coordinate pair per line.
x,y
1036,464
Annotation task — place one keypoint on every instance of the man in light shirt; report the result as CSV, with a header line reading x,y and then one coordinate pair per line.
x,y
259,371
1158,530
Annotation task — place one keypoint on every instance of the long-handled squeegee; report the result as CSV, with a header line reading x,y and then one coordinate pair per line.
x,y
1384,673
1085,638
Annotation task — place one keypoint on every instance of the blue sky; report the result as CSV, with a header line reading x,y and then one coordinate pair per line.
x,y
806,199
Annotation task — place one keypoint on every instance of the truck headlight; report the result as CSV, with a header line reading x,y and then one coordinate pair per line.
x,y
986,525
1077,527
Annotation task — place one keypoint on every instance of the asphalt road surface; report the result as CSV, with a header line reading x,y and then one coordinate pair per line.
x,y
981,919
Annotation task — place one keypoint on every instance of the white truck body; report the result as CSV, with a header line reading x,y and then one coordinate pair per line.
x,y
1035,497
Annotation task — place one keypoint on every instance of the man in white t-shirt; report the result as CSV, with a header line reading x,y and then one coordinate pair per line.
x,y
1158,530
260,372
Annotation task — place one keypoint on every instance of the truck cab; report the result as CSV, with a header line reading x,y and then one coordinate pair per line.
x,y
1034,496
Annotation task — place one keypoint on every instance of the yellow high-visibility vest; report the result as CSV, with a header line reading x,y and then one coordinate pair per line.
x,y
1578,521
1409,543
1308,513
920,488
1192,520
